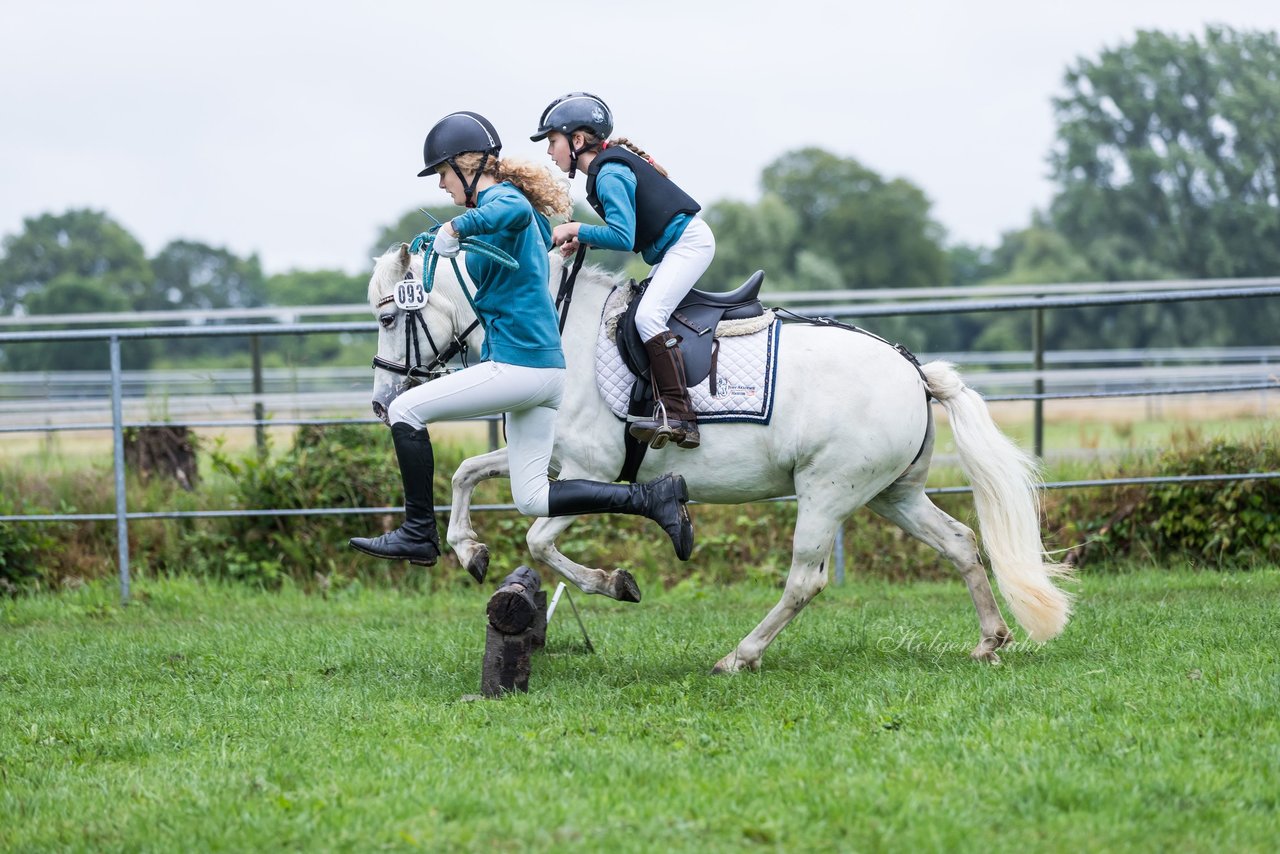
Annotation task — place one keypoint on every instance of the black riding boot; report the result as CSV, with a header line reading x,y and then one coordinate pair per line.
x,y
673,416
417,540
662,500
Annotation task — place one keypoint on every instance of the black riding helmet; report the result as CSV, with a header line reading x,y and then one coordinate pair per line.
x,y
575,111
459,133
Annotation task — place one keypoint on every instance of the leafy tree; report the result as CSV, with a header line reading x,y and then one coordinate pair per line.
x,y
316,287
198,276
1168,157
750,237
1169,150
192,275
84,244
877,233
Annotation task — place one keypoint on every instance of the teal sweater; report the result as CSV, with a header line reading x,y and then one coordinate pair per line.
x,y
520,323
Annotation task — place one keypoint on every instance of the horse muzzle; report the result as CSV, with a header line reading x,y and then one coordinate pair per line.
x,y
382,401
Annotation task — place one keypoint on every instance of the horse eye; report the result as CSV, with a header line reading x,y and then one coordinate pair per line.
x,y
387,320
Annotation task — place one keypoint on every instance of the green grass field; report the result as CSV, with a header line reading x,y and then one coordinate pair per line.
x,y
208,717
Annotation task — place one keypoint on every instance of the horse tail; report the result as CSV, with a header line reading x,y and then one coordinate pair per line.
x,y
1006,492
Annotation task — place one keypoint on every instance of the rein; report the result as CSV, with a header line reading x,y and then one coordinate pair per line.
x,y
568,278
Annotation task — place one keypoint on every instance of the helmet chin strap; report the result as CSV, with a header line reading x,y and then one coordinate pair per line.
x,y
469,187
574,152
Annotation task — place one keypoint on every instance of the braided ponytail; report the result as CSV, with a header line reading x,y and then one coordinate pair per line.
x,y
637,150
595,141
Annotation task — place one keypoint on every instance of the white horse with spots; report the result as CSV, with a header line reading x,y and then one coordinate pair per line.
x,y
851,426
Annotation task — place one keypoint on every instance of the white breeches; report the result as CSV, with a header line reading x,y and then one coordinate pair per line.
x,y
674,276
529,397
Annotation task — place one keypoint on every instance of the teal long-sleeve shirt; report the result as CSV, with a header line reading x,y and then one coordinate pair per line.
x,y
515,307
616,190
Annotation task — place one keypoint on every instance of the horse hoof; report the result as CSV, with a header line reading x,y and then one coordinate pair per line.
x,y
625,588
732,664
478,566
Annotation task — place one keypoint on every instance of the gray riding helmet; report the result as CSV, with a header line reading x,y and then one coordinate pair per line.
x,y
575,111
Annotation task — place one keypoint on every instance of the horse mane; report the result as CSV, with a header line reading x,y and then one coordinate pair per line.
x,y
593,274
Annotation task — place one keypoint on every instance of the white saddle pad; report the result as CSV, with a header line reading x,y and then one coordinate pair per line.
x,y
745,371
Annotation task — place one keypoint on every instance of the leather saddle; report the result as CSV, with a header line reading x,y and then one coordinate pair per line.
x,y
694,321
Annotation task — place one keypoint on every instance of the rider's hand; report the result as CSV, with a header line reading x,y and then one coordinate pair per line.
x,y
565,235
446,243
565,232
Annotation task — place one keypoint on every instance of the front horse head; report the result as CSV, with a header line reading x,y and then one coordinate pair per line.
x,y
418,333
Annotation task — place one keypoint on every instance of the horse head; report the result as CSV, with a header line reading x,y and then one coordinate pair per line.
x,y
415,344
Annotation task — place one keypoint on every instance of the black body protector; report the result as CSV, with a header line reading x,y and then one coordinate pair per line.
x,y
658,198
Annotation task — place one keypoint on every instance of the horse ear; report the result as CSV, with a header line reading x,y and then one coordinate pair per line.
x,y
404,254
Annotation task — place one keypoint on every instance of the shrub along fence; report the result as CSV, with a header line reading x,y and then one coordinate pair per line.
x,y
1175,483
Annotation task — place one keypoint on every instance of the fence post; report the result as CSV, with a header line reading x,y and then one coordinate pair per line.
x,y
1037,348
117,431
259,431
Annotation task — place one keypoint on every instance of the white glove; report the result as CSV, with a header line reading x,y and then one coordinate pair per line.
x,y
446,243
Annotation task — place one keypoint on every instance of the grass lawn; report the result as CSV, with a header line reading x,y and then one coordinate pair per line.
x,y
218,717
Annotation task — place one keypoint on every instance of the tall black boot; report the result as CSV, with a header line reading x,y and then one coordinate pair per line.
x,y
417,540
662,500
673,416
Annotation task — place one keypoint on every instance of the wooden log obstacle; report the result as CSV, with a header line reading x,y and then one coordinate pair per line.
x,y
517,626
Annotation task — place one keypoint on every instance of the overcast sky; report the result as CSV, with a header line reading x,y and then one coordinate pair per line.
x,y
294,130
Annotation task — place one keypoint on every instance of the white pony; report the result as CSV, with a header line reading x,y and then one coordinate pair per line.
x,y
851,426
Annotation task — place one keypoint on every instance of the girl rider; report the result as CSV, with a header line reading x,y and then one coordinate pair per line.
x,y
643,211
522,374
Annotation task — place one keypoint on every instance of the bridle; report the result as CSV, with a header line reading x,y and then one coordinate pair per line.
x,y
413,369
416,372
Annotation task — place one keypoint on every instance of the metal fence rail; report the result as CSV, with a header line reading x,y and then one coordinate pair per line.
x,y
958,301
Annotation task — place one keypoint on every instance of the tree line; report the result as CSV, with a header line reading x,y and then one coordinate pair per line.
x,y
1166,165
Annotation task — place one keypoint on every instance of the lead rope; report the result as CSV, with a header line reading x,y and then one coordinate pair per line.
x,y
423,243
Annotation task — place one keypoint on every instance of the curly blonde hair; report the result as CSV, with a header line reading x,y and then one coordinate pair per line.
x,y
545,192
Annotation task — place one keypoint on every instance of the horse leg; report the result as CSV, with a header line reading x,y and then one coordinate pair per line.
x,y
912,511
619,584
811,552
473,554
